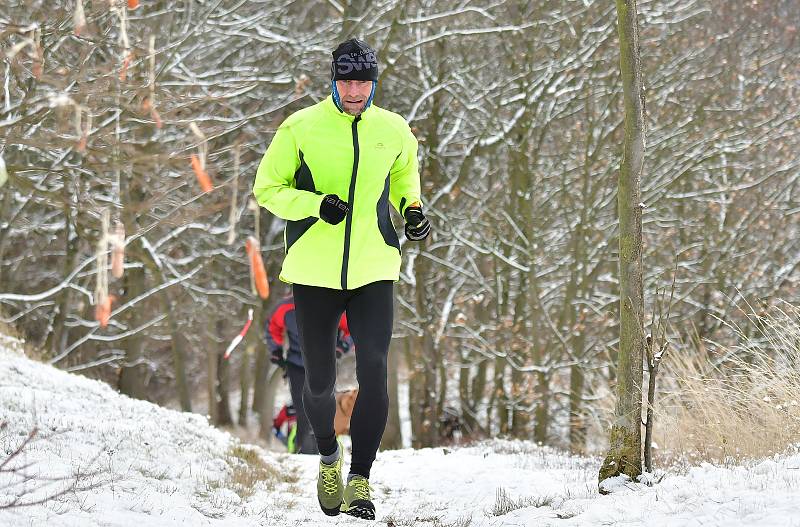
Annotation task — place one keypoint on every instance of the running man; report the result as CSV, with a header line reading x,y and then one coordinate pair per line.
x,y
331,171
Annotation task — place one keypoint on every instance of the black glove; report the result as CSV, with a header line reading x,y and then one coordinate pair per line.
x,y
276,357
333,210
417,225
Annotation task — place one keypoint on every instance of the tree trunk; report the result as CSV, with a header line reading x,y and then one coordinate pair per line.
x,y
133,373
442,395
179,360
213,409
4,233
176,337
542,411
625,450
257,338
420,398
415,396
253,349
472,388
577,418
224,416
500,396
274,378
392,436
471,396
428,404
132,378
59,336
521,353
244,382
423,359
428,357
521,416
260,378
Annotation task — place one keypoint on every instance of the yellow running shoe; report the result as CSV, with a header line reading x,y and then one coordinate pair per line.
x,y
357,501
330,488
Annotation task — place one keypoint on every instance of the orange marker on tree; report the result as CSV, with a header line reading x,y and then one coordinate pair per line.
x,y
257,267
102,311
202,176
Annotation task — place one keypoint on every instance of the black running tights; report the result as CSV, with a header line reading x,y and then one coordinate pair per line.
x,y
369,317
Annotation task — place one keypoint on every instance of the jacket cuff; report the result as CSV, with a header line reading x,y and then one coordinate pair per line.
x,y
407,202
317,201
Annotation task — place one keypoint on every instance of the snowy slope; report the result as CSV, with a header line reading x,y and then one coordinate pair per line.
x,y
157,467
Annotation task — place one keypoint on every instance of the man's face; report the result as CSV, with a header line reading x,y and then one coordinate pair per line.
x,y
353,95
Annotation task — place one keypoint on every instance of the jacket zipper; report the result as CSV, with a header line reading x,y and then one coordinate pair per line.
x,y
351,195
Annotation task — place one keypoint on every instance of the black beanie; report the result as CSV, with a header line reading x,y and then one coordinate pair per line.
x,y
354,60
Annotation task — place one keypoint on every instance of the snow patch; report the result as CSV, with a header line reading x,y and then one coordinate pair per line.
x,y
148,466
614,483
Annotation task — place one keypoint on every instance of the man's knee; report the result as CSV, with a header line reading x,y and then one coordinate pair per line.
x,y
319,389
371,364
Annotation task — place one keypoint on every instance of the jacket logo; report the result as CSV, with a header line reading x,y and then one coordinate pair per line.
x,y
380,146
347,63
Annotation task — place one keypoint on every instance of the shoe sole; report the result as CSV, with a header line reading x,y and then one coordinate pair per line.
x,y
330,512
364,513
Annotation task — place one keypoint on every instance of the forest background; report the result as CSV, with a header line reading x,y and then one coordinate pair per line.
x,y
507,316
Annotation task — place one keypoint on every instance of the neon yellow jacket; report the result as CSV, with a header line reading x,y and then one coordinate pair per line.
x,y
368,161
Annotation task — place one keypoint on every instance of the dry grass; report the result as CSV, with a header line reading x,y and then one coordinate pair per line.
x,y
432,521
504,503
735,403
248,469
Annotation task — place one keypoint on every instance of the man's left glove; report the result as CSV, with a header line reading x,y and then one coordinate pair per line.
x,y
417,225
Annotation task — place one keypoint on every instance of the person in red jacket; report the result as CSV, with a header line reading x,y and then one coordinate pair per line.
x,y
283,323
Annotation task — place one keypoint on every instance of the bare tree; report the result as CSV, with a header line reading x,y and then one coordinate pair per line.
x,y
625,452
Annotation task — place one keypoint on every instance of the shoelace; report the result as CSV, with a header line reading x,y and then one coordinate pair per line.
x,y
362,489
330,479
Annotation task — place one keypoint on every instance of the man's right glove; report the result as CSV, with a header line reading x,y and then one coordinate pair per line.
x,y
417,225
276,357
333,210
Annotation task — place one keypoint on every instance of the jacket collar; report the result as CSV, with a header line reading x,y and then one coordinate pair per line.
x,y
331,107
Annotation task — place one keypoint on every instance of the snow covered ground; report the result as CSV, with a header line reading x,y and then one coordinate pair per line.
x,y
141,465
